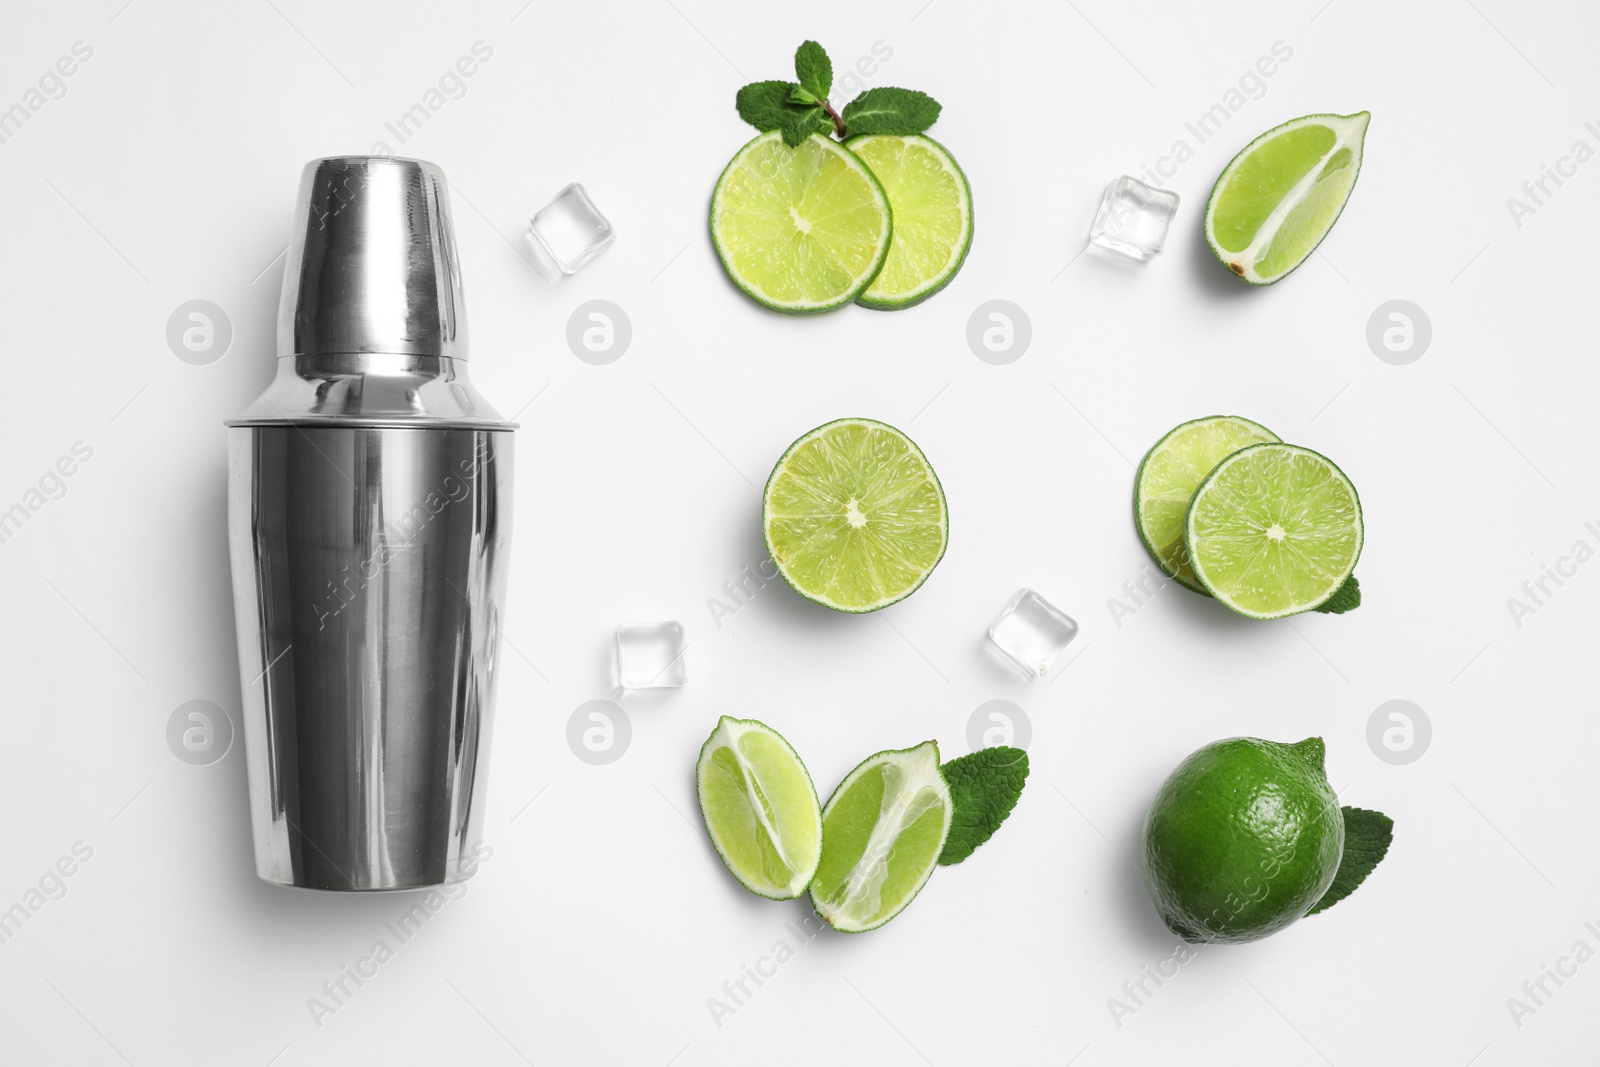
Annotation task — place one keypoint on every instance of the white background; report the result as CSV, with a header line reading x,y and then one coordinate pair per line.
x,y
603,922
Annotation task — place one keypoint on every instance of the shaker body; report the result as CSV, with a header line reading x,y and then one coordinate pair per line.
x,y
369,577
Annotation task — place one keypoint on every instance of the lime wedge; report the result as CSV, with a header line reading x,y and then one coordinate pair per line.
x,y
801,229
932,207
1168,476
1274,530
760,808
882,832
1278,199
854,517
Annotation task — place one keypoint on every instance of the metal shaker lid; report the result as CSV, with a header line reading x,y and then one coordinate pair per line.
x,y
372,262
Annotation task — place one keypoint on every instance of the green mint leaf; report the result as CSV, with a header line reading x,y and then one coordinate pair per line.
x,y
1346,598
984,787
766,106
890,110
801,95
804,123
814,69
1367,835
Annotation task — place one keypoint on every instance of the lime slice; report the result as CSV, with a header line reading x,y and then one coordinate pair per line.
x,y
882,832
932,206
1274,530
1278,199
1168,476
801,229
760,808
854,517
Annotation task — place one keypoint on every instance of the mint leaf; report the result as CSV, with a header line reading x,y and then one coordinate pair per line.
x,y
801,95
805,123
984,787
814,69
766,106
1367,835
1346,598
890,110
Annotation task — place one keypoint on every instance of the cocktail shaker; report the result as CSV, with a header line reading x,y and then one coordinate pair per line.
x,y
369,510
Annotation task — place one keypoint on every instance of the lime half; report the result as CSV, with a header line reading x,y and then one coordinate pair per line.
x,y
760,808
854,516
801,229
1170,473
1274,530
1278,199
882,832
932,207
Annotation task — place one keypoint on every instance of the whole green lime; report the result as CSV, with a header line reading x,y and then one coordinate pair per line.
x,y
1242,839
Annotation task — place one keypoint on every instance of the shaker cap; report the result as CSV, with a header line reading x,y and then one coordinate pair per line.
x,y
372,262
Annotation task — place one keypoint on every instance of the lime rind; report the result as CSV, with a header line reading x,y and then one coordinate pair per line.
x,y
1349,138
853,902
1249,433
873,297
727,736
1333,580
784,565
858,281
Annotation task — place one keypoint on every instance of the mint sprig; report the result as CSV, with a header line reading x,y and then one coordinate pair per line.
x,y
1367,836
801,108
984,787
1346,598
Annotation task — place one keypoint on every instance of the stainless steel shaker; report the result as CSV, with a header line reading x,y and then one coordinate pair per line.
x,y
369,512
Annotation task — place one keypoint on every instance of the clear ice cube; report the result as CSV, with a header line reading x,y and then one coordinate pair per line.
x,y
650,655
1031,632
1133,219
571,230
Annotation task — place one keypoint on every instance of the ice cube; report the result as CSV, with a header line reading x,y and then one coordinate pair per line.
x,y
1133,218
571,230
650,655
1031,632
